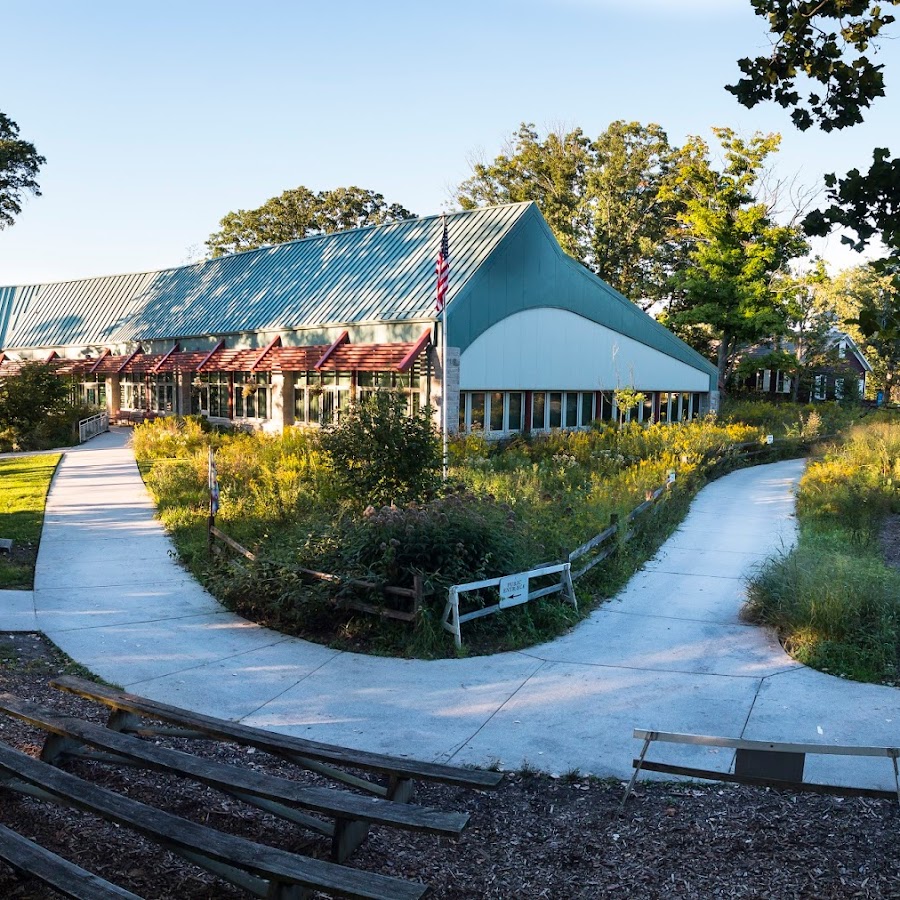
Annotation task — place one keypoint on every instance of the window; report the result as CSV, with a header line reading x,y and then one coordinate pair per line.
x,y
336,392
301,398
476,416
587,409
252,395
538,411
819,387
782,383
842,350
132,393
838,388
607,412
407,383
571,410
93,393
555,409
504,411
209,394
319,397
648,409
162,394
664,415
497,411
516,411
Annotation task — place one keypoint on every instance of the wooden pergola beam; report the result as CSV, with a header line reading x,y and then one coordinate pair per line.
x,y
343,338
175,348
276,342
210,355
413,354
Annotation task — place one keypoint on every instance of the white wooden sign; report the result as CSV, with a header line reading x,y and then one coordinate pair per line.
x,y
513,590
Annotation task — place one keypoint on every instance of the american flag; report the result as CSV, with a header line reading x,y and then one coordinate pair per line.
x,y
442,268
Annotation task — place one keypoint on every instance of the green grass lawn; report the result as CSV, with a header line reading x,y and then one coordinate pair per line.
x,y
24,482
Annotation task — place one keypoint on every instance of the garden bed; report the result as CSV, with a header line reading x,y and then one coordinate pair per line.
x,y
505,509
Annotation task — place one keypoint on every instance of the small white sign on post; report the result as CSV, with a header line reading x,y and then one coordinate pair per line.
x,y
513,590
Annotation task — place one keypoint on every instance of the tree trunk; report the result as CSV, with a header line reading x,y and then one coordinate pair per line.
x,y
723,358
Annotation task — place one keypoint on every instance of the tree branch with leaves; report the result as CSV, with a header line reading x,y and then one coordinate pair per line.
x,y
299,213
19,166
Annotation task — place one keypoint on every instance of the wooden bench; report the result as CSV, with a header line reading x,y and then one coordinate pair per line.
x,y
348,815
762,763
322,758
261,870
70,880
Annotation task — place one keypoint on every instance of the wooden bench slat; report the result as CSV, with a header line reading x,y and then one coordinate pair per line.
x,y
171,831
26,856
805,787
232,778
279,743
707,740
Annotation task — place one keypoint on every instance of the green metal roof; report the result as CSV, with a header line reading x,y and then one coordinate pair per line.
x,y
376,274
503,260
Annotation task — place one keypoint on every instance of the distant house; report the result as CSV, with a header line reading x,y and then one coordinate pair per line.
x,y
292,334
841,375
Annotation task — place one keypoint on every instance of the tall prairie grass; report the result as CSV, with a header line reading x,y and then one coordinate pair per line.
x,y
506,508
833,600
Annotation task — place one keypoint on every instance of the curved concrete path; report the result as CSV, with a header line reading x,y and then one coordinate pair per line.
x,y
668,653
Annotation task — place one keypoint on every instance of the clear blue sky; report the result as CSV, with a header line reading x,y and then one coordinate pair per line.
x,y
158,118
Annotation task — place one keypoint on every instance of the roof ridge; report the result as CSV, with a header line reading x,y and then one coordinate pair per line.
x,y
269,247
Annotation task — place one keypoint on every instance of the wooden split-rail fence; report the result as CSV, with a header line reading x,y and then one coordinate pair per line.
x,y
347,597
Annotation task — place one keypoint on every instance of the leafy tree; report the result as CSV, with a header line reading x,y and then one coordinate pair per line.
x,y
300,213
808,343
551,172
33,405
19,166
627,399
601,198
867,299
811,320
730,286
812,39
381,454
829,42
867,203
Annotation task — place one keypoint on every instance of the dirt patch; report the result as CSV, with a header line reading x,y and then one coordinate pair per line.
x,y
890,541
535,837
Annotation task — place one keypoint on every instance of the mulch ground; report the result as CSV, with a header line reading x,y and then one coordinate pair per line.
x,y
535,837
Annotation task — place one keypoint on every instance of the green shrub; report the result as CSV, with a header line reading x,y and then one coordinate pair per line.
x,y
381,454
787,419
448,541
35,412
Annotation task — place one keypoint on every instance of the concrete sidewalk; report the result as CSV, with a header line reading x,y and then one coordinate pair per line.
x,y
669,653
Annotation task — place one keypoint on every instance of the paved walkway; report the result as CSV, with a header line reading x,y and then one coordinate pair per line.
x,y
668,653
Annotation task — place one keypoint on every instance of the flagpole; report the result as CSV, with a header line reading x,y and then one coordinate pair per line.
x,y
446,454
442,270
